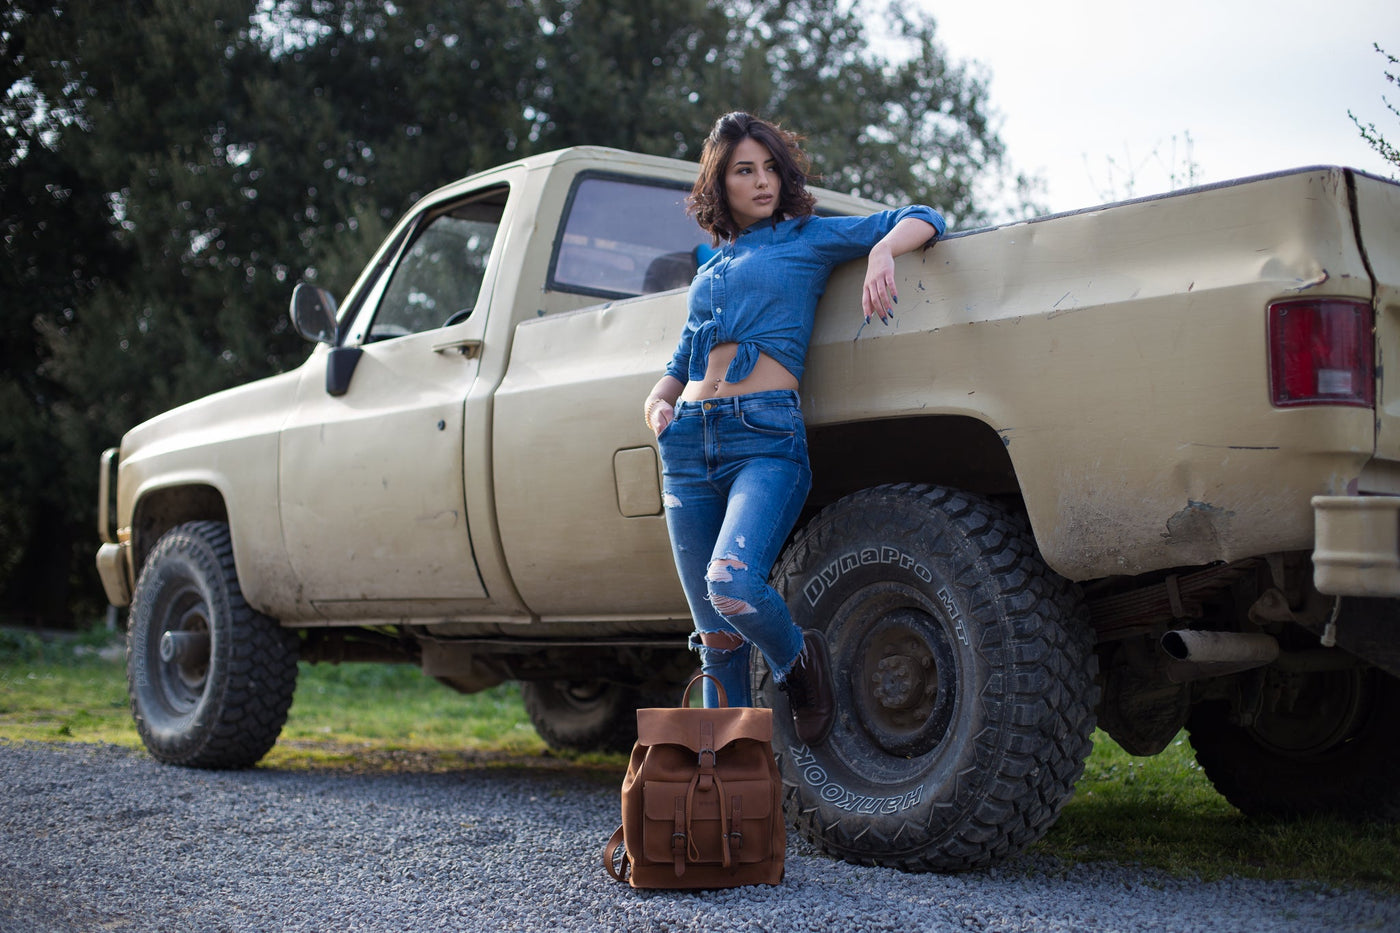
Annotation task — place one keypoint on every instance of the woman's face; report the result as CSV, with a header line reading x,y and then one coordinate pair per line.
x,y
752,183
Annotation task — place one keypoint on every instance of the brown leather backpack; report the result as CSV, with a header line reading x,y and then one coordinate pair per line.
x,y
702,803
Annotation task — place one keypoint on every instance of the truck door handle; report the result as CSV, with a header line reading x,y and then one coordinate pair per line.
x,y
469,347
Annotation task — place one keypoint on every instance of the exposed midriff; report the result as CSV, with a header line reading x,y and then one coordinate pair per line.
x,y
768,374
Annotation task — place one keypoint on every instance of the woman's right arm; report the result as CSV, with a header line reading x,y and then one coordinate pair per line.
x,y
661,403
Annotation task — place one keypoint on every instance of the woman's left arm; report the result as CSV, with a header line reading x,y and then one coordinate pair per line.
x,y
878,296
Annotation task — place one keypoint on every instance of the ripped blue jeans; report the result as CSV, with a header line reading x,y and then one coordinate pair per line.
x,y
735,477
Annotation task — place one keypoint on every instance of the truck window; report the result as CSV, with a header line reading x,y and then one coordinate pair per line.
x,y
625,236
438,277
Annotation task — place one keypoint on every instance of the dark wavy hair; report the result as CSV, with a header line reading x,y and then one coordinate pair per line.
x,y
708,201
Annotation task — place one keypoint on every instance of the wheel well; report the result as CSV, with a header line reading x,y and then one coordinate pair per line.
x,y
950,450
163,509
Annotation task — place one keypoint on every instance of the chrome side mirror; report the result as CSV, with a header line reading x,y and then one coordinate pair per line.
x,y
313,313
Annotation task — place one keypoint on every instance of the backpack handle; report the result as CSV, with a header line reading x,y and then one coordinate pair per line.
x,y
719,687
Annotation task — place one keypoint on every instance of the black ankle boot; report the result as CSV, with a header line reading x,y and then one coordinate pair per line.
x,y
808,686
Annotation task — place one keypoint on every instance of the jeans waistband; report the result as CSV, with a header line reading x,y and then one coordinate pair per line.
x,y
737,404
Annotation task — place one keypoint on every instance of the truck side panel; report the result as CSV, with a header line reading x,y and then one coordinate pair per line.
x,y
1121,356
226,442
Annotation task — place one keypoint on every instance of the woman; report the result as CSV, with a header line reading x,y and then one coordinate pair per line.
x,y
726,413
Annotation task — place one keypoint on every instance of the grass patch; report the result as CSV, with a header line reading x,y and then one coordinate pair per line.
x,y
1159,812
349,716
63,689
397,706
77,702
1163,812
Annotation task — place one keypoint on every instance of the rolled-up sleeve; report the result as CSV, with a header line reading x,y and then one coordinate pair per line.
x,y
679,366
925,213
839,239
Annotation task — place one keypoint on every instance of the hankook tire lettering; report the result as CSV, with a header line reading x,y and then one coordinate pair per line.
x,y
843,799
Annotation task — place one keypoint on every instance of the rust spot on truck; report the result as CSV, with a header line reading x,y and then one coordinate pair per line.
x,y
1199,523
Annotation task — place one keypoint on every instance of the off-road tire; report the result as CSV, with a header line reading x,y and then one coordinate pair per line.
x,y
592,716
964,676
1330,746
217,697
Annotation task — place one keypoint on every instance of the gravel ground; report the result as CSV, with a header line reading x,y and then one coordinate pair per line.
x,y
102,838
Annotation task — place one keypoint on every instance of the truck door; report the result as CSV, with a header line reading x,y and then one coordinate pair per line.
x,y
577,476
371,489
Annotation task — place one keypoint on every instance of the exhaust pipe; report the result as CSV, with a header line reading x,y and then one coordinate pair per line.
x,y
1195,655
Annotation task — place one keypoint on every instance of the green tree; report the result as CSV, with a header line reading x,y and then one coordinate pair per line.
x,y
1368,131
59,251
168,174
895,123
646,75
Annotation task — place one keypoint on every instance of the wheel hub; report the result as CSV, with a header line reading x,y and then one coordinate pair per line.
x,y
903,681
1307,715
898,681
184,648
583,695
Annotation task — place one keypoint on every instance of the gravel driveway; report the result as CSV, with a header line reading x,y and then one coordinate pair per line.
x,y
102,838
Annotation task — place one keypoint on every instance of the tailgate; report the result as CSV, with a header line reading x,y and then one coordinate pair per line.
x,y
1377,211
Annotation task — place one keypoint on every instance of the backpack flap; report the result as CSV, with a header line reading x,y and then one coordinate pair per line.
x,y
683,726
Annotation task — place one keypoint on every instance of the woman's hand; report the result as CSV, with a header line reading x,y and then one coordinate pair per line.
x,y
659,413
878,296
660,407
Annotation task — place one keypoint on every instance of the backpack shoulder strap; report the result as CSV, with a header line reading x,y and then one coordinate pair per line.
x,y
611,859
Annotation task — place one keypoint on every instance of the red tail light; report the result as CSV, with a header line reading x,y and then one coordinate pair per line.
x,y
1321,352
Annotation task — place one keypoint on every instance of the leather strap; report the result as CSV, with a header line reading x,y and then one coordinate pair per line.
x,y
707,747
736,820
610,859
680,834
719,688
717,788
725,821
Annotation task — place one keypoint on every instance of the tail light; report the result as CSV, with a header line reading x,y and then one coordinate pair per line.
x,y
1321,352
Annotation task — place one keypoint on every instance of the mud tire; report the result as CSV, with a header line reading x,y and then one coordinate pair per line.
x,y
964,675
1331,747
218,695
590,716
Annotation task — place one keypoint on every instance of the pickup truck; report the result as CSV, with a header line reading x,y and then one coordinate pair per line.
x,y
1134,467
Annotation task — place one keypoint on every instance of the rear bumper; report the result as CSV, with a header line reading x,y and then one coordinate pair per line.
x,y
114,569
1357,545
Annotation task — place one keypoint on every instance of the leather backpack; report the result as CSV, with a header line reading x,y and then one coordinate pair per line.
x,y
702,802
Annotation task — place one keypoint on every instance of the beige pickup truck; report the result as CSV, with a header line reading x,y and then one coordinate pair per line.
x,y
1136,466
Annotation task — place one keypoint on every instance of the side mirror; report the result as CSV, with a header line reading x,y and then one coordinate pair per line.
x,y
313,313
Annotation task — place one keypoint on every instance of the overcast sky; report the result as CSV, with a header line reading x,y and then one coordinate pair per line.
x,y
1259,86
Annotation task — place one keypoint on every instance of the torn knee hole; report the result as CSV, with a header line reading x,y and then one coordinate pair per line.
x,y
723,569
729,606
722,641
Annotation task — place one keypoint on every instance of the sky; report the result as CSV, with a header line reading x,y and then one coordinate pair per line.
x,y
1099,98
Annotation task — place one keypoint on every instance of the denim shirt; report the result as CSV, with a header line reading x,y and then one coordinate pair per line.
x,y
761,289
